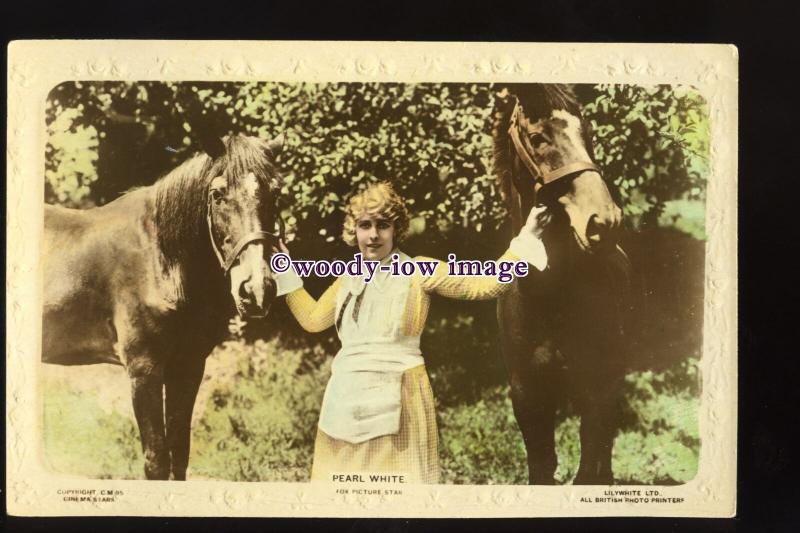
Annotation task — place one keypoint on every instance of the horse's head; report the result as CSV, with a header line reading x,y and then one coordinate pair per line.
x,y
553,165
243,220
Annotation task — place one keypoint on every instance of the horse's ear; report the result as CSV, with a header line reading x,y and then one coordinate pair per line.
x,y
205,131
211,144
275,146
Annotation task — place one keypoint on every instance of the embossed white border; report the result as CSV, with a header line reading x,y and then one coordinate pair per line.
x,y
35,67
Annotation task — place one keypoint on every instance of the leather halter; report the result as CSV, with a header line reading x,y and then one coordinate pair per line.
x,y
253,236
525,150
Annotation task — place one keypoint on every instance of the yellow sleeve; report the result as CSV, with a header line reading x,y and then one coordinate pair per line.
x,y
314,315
465,287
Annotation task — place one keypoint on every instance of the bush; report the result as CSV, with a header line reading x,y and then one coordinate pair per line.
x,y
260,424
653,144
481,442
660,443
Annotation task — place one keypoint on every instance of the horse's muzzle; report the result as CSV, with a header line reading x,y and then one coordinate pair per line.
x,y
602,230
252,286
255,298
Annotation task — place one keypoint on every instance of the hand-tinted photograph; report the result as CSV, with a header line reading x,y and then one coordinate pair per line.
x,y
448,283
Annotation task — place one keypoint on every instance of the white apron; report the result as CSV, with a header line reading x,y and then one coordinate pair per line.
x,y
363,396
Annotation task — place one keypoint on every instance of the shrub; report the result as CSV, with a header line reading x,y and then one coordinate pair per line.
x,y
481,442
260,424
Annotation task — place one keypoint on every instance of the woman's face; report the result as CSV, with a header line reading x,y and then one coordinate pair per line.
x,y
375,236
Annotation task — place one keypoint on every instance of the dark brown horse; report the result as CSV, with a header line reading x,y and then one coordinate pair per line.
x,y
563,330
146,282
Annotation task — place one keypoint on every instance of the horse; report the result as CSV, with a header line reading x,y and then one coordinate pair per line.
x,y
146,281
565,332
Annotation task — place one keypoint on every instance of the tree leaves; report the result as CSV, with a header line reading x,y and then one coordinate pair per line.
x,y
431,141
653,144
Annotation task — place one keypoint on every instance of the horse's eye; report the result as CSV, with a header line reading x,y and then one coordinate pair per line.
x,y
216,195
537,139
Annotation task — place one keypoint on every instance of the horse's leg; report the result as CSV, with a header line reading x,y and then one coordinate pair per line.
x,y
182,379
534,395
599,382
148,405
598,410
535,402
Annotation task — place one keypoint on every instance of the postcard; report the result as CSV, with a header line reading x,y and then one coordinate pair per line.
x,y
371,279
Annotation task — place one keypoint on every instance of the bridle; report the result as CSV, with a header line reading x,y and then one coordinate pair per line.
x,y
524,150
253,236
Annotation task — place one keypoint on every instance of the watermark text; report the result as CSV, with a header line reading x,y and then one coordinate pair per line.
x,y
504,271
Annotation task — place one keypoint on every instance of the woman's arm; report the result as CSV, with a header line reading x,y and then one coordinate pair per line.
x,y
527,246
465,287
314,315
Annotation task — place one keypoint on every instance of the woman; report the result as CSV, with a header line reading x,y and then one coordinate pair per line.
x,y
378,414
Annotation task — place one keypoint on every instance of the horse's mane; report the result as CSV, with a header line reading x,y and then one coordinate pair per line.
x,y
181,195
539,101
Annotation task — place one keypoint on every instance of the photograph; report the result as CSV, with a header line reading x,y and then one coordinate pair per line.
x,y
363,292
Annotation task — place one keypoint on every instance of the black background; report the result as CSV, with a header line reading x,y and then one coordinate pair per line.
x,y
764,32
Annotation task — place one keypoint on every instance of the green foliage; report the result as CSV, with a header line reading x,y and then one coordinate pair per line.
x,y
260,425
655,458
345,135
663,410
71,158
481,442
687,216
432,141
80,437
653,144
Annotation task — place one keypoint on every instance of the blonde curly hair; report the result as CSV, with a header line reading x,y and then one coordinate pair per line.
x,y
378,198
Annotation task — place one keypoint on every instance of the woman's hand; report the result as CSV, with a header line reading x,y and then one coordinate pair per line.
x,y
286,282
528,243
537,220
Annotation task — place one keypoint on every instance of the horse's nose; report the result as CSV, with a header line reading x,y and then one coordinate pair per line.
x,y
602,228
254,292
252,286
246,291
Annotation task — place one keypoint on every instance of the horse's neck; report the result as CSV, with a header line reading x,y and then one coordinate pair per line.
x,y
188,265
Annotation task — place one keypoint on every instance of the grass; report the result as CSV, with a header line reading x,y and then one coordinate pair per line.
x,y
257,419
82,438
